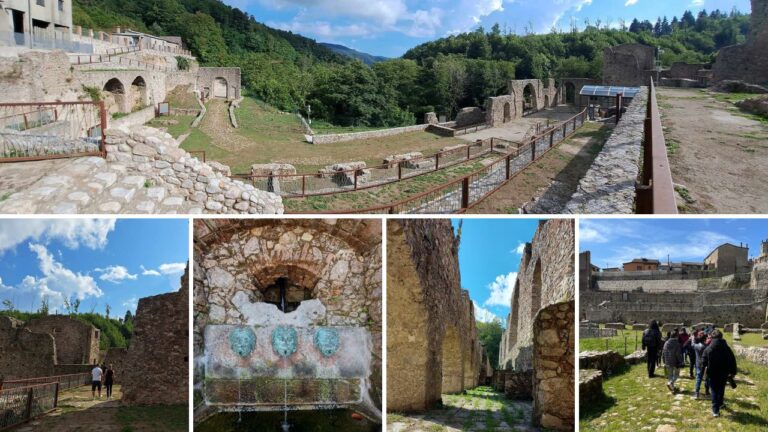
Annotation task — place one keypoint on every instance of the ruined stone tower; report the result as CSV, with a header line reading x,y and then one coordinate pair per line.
x,y
749,61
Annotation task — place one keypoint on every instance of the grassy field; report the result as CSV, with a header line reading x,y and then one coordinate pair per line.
x,y
166,418
632,401
382,195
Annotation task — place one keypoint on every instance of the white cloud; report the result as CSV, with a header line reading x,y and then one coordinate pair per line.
x,y
484,315
131,304
91,233
519,249
695,247
501,290
383,12
630,3
172,268
115,274
149,272
57,283
697,3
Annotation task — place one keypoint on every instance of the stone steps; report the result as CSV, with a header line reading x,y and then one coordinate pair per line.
x,y
91,185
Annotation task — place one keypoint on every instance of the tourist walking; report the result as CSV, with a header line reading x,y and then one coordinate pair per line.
x,y
673,360
652,343
96,375
698,348
686,342
720,366
109,380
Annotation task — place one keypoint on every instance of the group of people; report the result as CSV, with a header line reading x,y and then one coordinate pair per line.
x,y
103,374
708,355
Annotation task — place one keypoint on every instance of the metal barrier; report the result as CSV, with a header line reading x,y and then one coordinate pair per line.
x,y
301,185
51,130
100,58
656,192
66,382
21,404
461,194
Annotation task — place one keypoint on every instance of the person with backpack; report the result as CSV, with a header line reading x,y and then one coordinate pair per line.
x,y
698,347
720,366
673,360
651,343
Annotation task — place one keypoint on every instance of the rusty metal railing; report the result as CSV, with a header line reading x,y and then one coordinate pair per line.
x,y
51,130
82,59
21,404
66,382
655,192
464,193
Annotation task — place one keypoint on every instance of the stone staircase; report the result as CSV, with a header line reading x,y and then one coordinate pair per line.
x,y
91,185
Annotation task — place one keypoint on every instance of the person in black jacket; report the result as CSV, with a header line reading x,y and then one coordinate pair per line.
x,y
720,365
652,344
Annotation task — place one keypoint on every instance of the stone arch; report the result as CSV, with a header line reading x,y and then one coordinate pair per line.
x,y
570,93
530,98
507,112
536,289
115,95
139,92
453,365
220,88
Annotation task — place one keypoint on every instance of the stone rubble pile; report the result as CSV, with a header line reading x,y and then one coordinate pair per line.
x,y
343,174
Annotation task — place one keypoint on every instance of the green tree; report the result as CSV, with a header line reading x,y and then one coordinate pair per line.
x,y
490,335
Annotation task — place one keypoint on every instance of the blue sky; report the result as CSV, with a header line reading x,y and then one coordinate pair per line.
x,y
99,261
391,27
615,241
489,255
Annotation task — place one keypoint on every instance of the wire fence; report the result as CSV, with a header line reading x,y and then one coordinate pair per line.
x,y
463,193
19,405
49,130
66,382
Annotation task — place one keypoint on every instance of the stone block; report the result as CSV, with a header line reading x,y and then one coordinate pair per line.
x,y
590,385
606,361
272,169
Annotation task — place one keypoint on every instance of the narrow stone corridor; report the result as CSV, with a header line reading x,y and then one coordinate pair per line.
x,y
480,409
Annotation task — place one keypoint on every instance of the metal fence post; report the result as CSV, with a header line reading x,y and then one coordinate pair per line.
x,y
465,192
355,179
56,396
507,162
399,170
437,161
303,185
30,397
551,139
102,145
533,150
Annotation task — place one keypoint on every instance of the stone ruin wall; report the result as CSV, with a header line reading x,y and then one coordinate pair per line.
x,y
546,94
24,354
76,342
545,277
116,357
431,333
628,65
156,367
339,259
206,77
749,61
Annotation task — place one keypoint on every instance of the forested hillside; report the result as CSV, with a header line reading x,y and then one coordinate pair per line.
x,y
290,71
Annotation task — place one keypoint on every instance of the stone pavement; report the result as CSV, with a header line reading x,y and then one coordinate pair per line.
x,y
481,409
91,185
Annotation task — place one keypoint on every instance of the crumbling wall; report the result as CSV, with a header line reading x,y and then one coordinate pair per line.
x,y
76,342
749,61
156,369
431,330
628,64
24,354
545,276
116,357
206,78
554,369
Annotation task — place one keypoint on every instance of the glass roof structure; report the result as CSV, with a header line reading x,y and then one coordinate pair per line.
x,y
609,91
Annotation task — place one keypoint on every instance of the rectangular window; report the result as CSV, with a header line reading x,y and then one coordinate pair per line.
x,y
41,2
61,5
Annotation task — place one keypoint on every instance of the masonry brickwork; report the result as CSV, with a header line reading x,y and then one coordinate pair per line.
x,y
156,367
749,61
432,345
331,269
76,342
24,354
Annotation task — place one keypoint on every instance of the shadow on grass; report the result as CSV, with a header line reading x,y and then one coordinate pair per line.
x,y
748,419
466,418
596,407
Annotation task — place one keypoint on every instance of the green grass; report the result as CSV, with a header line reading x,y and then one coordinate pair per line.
x,y
323,127
182,126
733,97
165,418
198,140
632,399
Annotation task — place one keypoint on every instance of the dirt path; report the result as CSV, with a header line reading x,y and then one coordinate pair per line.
x,y
481,409
716,154
547,185
78,412
216,125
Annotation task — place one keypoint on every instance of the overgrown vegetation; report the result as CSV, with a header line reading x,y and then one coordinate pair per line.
x,y
490,338
291,72
182,63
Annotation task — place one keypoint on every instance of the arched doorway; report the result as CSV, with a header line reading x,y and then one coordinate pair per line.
x,y
453,376
115,96
546,101
220,88
507,112
570,93
139,93
530,103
